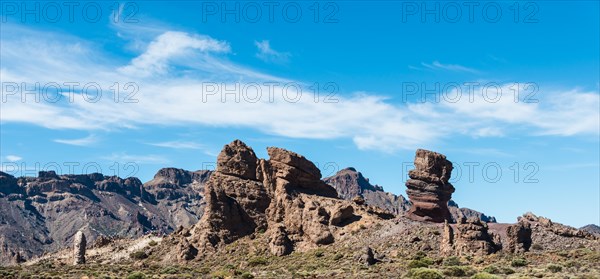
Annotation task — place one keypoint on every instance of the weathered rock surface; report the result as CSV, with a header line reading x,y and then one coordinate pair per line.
x,y
283,197
518,237
366,256
469,237
351,184
79,246
428,188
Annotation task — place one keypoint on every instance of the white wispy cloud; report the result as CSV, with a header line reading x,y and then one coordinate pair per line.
x,y
268,54
178,144
13,158
125,158
168,46
91,139
171,93
436,65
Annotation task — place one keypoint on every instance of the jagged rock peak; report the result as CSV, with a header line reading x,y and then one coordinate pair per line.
x,y
293,159
237,159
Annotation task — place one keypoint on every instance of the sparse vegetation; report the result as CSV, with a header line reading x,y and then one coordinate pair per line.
x,y
138,255
484,275
458,271
518,262
136,275
450,261
425,273
424,262
257,261
152,243
554,268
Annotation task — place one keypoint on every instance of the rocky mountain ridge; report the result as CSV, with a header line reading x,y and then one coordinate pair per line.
x,y
42,214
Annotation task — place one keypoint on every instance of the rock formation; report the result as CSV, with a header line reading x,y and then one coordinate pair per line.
x,y
518,237
79,245
428,188
351,184
366,256
471,238
283,197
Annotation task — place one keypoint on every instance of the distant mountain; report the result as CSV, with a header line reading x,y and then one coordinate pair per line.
x,y
350,183
41,214
591,228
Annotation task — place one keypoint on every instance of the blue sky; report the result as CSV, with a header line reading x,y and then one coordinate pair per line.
x,y
174,62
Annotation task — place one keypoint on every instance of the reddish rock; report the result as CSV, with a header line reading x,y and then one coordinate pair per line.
x,y
428,188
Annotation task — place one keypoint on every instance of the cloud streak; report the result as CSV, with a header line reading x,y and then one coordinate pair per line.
x,y
89,140
436,65
268,54
173,92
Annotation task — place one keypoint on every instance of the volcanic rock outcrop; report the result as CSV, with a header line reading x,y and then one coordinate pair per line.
x,y
428,188
283,197
471,238
518,237
79,245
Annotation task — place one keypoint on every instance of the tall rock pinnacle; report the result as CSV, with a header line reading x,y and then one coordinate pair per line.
x,y
428,188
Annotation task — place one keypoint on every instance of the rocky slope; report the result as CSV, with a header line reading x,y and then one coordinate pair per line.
x,y
41,214
350,183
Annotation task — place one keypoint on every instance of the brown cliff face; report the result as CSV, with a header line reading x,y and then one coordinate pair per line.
x,y
283,197
428,188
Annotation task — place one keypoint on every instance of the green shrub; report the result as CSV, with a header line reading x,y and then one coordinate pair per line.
x,y
554,268
425,273
319,253
152,243
492,269
519,262
424,262
419,255
450,261
484,275
338,256
170,270
507,270
221,274
247,275
138,255
258,261
457,271
136,275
